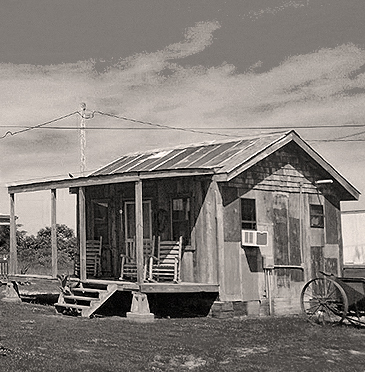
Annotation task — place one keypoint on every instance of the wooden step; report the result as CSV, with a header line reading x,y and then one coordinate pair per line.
x,y
80,298
73,306
88,290
93,296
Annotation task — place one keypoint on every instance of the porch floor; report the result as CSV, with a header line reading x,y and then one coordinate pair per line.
x,y
39,284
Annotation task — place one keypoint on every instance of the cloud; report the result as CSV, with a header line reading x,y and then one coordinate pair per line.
x,y
325,86
256,14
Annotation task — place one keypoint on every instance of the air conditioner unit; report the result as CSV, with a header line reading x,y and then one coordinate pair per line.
x,y
254,238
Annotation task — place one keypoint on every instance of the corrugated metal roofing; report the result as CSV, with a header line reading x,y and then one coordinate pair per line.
x,y
225,159
219,156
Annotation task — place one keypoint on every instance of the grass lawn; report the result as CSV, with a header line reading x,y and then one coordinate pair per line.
x,y
34,338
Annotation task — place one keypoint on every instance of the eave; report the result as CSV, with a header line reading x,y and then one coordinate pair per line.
x,y
104,179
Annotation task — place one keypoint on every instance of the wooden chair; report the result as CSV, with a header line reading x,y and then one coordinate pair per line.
x,y
165,264
128,267
93,258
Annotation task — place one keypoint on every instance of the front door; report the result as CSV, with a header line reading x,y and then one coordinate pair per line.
x,y
130,225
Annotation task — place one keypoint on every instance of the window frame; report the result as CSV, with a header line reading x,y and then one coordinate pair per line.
x,y
251,224
95,202
316,214
186,200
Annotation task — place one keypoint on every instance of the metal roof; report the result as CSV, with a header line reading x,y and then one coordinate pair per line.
x,y
222,157
224,160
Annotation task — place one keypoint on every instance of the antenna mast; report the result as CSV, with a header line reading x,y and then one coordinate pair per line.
x,y
82,140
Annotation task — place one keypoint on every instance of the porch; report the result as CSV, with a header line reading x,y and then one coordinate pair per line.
x,y
125,219
95,297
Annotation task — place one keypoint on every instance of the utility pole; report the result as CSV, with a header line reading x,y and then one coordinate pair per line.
x,y
82,140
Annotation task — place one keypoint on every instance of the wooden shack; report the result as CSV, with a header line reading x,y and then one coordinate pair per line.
x,y
257,217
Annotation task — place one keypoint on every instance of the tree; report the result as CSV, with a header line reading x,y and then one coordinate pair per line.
x,y
36,250
66,244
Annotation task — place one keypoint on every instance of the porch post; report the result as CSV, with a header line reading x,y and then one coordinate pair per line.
x,y
13,264
82,232
139,231
54,232
140,309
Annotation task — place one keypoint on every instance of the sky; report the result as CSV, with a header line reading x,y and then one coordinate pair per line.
x,y
208,68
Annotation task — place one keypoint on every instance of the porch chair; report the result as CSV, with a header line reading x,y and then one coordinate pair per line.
x,y
128,267
93,258
165,264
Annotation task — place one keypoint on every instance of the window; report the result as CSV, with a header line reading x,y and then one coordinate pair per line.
x,y
316,216
100,214
248,214
181,219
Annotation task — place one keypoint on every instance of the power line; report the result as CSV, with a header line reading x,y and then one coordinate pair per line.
x,y
167,127
9,133
337,140
159,125
201,130
351,135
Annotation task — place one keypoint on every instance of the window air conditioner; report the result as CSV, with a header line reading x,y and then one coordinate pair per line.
x,y
254,238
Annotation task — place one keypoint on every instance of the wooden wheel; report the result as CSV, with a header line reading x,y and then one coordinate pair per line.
x,y
323,301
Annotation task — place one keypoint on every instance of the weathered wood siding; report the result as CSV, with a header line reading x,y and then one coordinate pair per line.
x,y
204,235
199,262
283,186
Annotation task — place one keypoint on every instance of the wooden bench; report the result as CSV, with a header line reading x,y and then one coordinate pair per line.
x,y
93,258
128,267
165,264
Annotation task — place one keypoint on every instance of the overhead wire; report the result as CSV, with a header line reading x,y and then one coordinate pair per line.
x,y
159,125
200,130
9,133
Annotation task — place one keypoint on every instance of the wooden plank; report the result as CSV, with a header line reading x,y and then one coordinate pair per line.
x,y
219,211
54,232
295,210
232,221
113,215
281,234
139,230
105,179
331,223
178,288
209,251
294,241
306,238
331,266
13,265
317,261
82,237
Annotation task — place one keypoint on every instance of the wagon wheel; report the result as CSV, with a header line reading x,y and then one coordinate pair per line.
x,y
324,301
